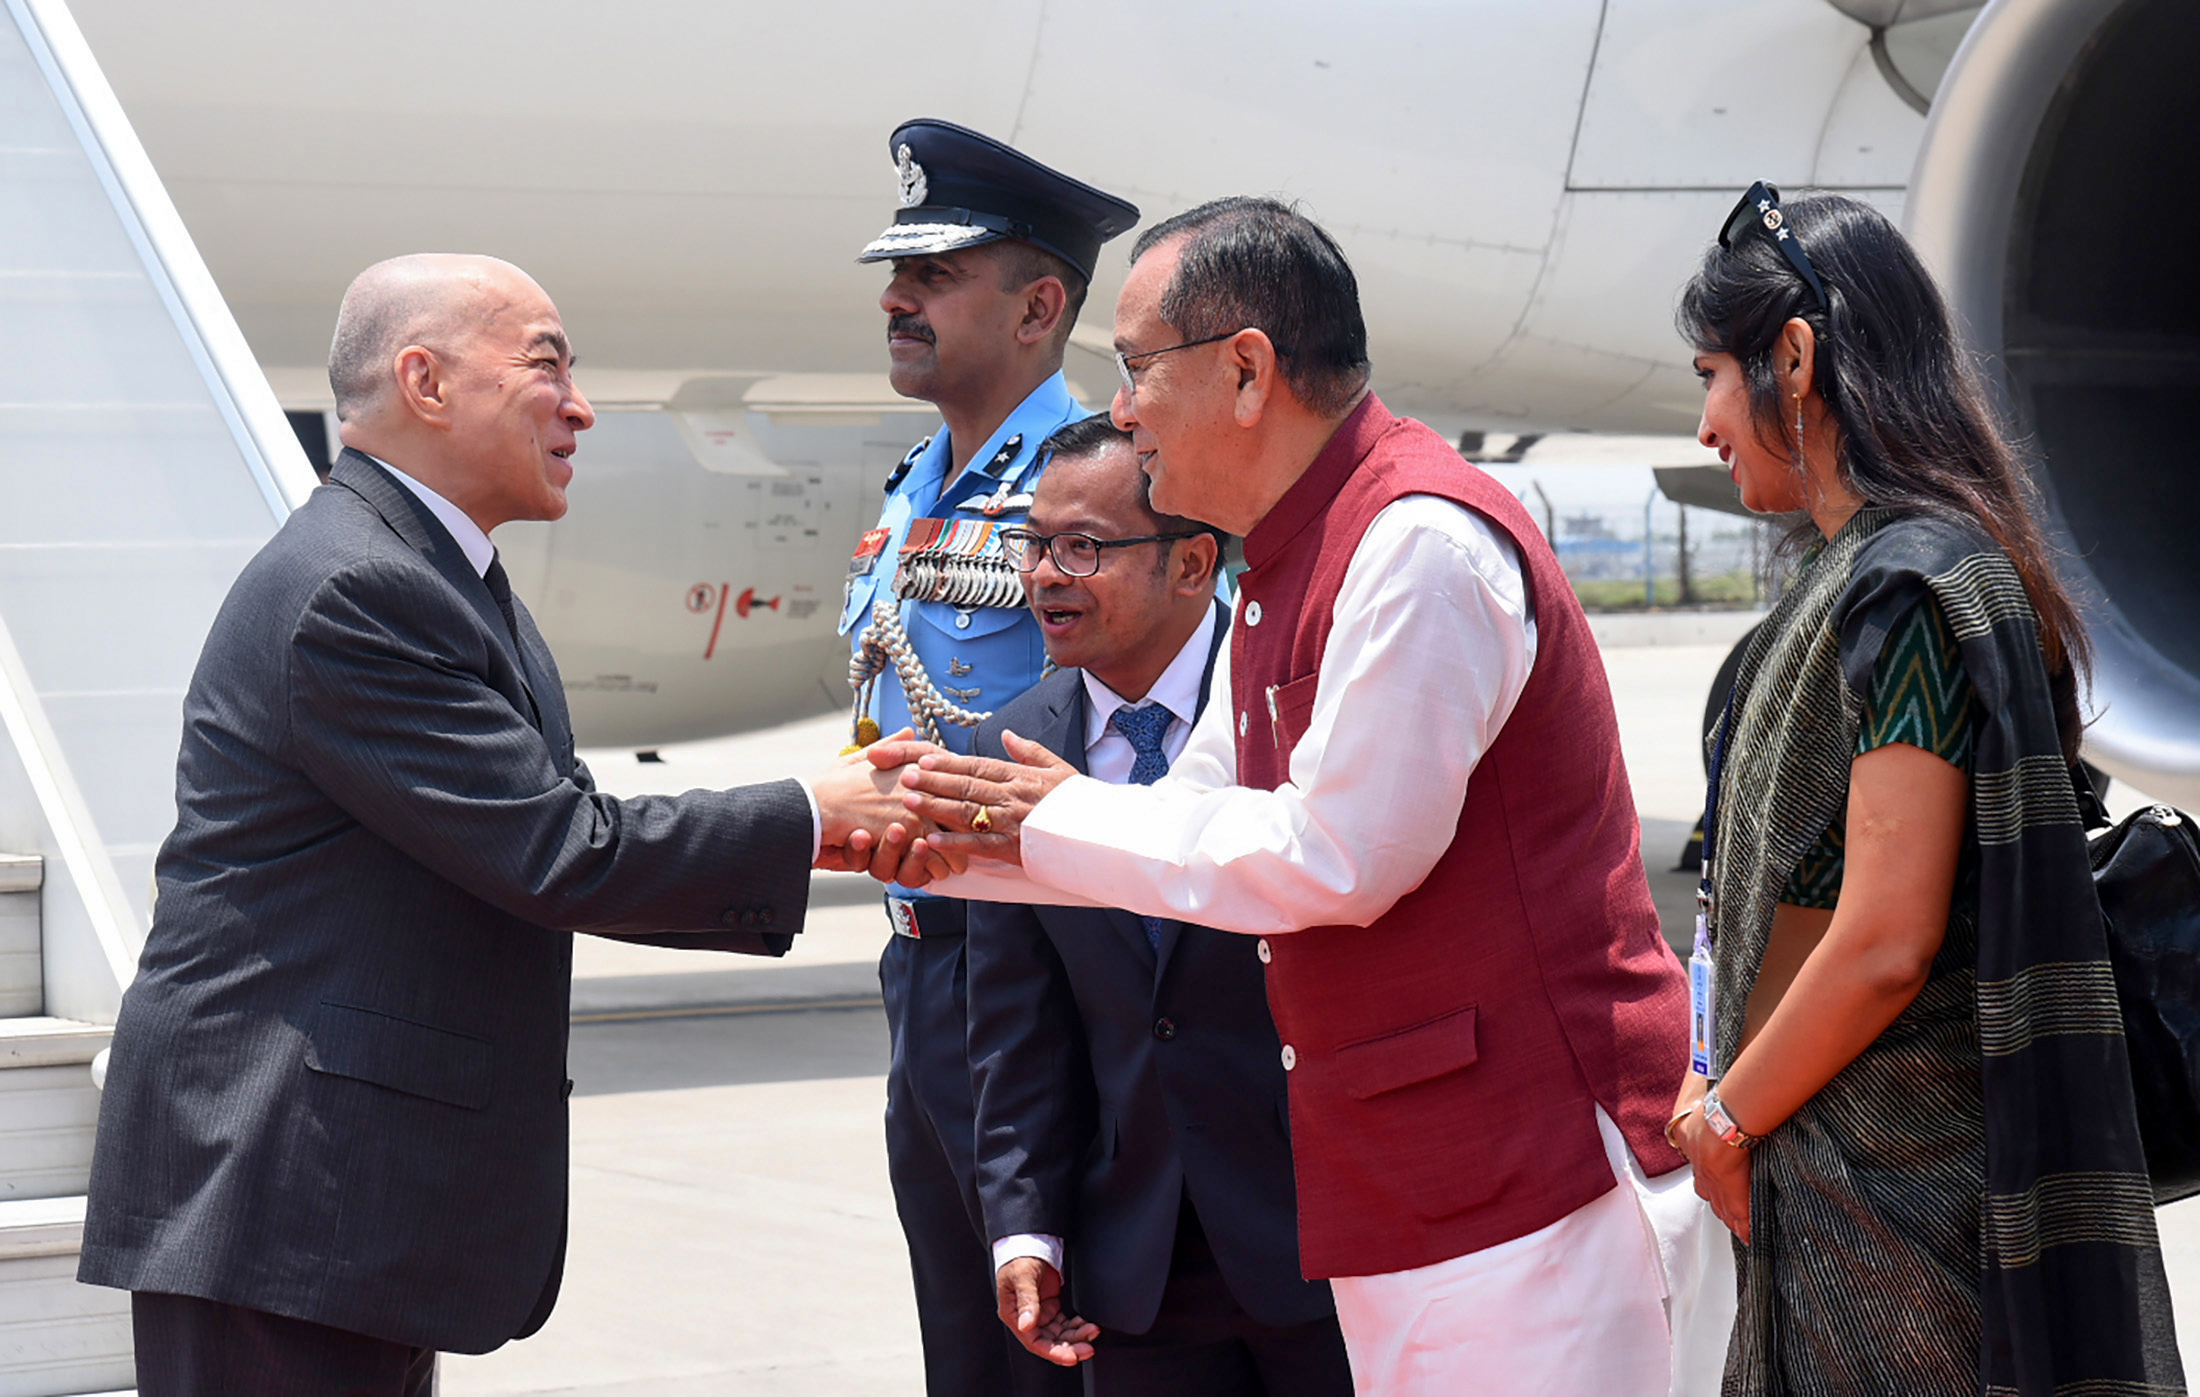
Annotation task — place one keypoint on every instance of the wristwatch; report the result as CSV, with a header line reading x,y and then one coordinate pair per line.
x,y
1722,1124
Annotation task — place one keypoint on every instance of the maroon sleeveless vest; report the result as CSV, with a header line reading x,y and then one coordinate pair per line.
x,y
1444,1062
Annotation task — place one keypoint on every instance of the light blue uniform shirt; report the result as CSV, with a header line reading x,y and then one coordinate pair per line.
x,y
979,657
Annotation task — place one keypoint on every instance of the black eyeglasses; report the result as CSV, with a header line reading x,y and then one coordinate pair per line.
x,y
1077,555
1123,361
1760,212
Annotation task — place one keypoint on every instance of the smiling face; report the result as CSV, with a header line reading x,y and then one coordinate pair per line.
x,y
1180,414
1126,621
1765,471
513,403
950,324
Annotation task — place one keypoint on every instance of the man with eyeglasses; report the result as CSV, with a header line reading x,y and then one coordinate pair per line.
x,y
1410,789
991,255
1130,1100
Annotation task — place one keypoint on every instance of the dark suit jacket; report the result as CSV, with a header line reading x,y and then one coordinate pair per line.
x,y
1111,1082
338,1083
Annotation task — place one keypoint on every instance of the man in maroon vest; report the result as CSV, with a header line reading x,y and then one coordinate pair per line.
x,y
1414,796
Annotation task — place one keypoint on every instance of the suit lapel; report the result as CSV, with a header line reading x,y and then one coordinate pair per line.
x,y
553,719
1065,732
1172,930
1065,737
413,522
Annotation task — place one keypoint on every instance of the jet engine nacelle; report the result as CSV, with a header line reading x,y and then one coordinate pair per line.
x,y
2054,195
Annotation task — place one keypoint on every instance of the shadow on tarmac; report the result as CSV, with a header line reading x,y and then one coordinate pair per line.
x,y
747,1045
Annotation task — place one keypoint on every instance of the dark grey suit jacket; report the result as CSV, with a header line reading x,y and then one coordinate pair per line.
x,y
338,1083
1112,1082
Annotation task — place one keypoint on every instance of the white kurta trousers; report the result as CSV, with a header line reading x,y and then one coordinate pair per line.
x,y
1631,1295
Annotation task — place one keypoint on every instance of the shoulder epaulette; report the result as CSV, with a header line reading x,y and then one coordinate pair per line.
x,y
901,472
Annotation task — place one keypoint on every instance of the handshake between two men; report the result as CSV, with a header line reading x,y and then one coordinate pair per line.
x,y
910,812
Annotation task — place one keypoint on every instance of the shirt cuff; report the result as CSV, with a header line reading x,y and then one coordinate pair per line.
x,y
817,824
1039,1244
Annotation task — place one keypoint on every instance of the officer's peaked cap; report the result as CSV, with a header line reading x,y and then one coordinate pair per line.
x,y
960,189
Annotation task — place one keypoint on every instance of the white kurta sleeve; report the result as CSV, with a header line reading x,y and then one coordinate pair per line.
x,y
1431,644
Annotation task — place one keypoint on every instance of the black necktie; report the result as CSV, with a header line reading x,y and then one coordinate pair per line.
x,y
500,587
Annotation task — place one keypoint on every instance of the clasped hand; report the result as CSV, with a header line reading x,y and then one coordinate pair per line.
x,y
866,827
906,811
969,807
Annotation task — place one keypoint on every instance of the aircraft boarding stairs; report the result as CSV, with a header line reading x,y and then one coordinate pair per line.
x,y
56,1337
143,460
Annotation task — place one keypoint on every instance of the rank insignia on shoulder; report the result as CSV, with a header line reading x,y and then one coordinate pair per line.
x,y
901,472
1007,453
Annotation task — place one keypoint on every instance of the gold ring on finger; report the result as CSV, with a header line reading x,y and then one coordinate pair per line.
x,y
982,822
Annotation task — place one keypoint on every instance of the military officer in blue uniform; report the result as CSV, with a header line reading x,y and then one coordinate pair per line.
x,y
992,253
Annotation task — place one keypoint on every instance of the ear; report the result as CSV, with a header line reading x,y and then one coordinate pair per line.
x,y
1196,566
1795,359
1046,301
423,384
1253,356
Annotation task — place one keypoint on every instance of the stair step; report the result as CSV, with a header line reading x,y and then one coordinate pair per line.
x,y
41,1227
56,1336
49,1107
45,1042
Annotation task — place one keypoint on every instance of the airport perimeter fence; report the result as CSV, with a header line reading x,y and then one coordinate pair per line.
x,y
1663,555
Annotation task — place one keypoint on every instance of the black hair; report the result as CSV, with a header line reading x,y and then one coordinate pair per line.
x,y
1254,263
1917,431
1023,263
1087,437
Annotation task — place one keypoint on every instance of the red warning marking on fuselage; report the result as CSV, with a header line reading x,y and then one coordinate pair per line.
x,y
700,596
742,605
724,591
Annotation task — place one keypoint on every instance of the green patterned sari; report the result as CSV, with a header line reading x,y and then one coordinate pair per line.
x,y
1964,1208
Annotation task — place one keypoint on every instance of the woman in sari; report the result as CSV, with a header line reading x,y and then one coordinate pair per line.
x,y
1918,1122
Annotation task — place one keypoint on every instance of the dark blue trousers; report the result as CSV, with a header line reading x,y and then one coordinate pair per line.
x,y
931,1149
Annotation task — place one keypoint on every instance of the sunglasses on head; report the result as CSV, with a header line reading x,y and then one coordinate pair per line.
x,y
1760,212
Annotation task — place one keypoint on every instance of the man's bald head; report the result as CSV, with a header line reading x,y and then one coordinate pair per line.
x,y
432,299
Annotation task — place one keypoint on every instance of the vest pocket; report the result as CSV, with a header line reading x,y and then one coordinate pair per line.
x,y
1402,1058
347,1040
1291,711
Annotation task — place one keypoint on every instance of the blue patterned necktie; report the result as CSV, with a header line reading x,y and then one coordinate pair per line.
x,y
1144,729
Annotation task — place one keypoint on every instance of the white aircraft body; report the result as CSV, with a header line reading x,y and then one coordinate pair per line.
x,y
1522,187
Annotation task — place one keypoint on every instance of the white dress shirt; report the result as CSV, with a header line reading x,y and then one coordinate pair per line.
x,y
1109,756
480,552
1431,642
464,531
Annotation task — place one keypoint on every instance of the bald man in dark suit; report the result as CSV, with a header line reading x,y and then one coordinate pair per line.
x,y
333,1139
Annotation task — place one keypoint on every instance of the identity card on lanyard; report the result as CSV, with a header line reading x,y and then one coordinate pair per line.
x,y
1703,1022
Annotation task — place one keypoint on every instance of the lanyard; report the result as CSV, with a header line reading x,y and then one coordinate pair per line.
x,y
1711,817
1702,1018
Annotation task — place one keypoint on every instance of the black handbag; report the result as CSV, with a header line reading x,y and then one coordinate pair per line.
x,y
2147,872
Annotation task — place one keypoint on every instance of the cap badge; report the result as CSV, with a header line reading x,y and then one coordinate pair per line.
x,y
913,187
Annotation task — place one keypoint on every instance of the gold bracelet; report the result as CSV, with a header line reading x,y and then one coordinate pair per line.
x,y
1675,1124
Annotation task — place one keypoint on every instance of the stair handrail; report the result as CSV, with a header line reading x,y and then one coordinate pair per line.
x,y
68,819
172,263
